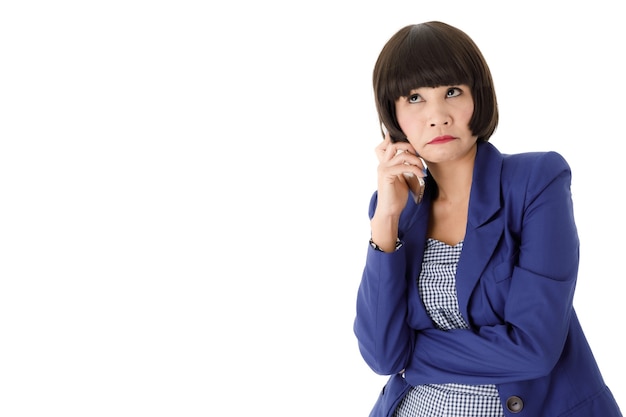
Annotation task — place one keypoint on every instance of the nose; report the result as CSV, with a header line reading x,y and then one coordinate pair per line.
x,y
434,124
438,115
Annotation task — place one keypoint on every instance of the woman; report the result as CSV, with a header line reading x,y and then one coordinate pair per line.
x,y
466,295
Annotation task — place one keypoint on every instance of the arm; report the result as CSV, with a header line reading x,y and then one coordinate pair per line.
x,y
380,326
538,307
385,339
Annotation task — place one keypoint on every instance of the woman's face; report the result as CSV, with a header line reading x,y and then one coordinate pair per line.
x,y
436,122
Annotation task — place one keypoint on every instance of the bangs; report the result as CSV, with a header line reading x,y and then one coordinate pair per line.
x,y
425,60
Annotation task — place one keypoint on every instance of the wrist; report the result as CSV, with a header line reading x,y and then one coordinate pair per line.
x,y
397,246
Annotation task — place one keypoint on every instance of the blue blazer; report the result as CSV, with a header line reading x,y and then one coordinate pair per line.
x,y
515,284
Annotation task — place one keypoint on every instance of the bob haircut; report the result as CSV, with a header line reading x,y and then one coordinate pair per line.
x,y
433,54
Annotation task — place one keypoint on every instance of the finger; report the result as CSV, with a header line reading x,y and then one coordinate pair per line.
x,y
408,170
407,158
383,148
406,147
401,171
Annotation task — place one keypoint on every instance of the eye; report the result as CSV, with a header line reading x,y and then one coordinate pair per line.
x,y
453,92
415,98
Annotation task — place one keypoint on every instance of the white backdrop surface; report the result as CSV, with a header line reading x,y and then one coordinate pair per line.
x,y
184,189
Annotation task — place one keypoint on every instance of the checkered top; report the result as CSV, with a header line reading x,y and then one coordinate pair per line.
x,y
437,287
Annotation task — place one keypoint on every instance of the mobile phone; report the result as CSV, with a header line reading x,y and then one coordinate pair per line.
x,y
416,184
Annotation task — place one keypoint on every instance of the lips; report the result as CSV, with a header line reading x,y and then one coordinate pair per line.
x,y
441,139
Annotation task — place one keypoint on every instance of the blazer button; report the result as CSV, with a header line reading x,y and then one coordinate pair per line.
x,y
514,404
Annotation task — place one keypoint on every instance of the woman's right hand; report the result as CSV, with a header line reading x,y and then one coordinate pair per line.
x,y
398,165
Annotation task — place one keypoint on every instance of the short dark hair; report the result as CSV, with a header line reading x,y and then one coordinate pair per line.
x,y
433,54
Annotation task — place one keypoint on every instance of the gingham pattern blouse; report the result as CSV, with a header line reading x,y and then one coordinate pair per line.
x,y
437,287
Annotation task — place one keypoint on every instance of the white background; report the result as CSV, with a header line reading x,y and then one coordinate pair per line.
x,y
184,190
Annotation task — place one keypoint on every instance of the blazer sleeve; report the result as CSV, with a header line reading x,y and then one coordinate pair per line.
x,y
539,303
384,338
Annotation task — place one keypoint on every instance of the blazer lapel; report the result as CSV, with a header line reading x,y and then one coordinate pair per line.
x,y
484,228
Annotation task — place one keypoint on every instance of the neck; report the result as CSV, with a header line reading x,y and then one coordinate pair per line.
x,y
454,179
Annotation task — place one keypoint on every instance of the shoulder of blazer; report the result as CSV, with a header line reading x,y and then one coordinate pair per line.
x,y
500,179
532,169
